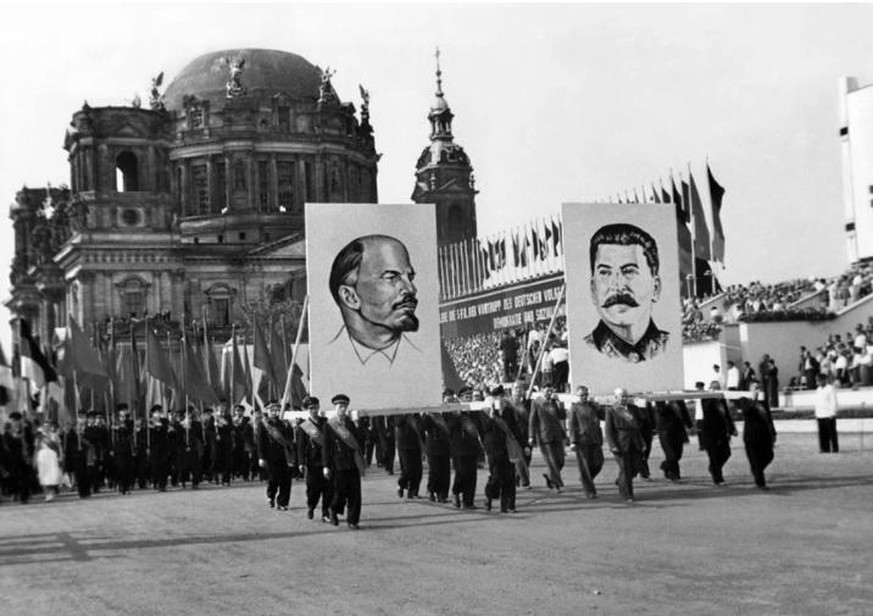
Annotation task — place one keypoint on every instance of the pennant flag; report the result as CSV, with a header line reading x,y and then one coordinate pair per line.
x,y
686,202
34,365
655,197
158,364
700,230
241,375
278,361
196,385
7,383
716,193
557,230
535,240
89,368
686,265
665,196
516,252
261,358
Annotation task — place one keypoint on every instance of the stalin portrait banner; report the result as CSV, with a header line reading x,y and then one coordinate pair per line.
x,y
374,304
623,301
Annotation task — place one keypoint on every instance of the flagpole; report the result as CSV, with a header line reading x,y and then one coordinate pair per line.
x,y
148,380
232,364
286,395
183,351
541,352
693,234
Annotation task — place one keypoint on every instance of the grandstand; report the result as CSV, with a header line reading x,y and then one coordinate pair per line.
x,y
509,285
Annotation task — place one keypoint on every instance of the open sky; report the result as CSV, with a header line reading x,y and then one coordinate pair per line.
x,y
553,103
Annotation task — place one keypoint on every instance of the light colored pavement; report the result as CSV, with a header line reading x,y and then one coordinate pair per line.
x,y
805,547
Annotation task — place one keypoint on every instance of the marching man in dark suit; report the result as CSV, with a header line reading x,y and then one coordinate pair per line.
x,y
343,461
716,431
501,436
583,428
547,428
439,465
310,443
276,454
625,442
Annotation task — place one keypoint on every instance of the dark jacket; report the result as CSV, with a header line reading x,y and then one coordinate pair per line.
x,y
672,417
279,450
583,424
495,438
407,432
337,455
623,430
436,431
545,422
309,452
464,433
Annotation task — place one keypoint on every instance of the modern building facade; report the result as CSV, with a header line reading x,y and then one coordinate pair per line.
x,y
856,142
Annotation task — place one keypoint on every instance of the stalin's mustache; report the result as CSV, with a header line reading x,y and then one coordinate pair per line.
x,y
620,298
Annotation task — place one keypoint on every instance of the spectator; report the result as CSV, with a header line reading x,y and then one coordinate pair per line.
x,y
732,377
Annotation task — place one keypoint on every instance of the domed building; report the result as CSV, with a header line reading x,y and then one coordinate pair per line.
x,y
191,208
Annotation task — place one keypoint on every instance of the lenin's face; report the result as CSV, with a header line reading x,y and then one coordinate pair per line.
x,y
622,285
384,293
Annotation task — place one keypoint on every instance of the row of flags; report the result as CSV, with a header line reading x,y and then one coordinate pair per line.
x,y
172,374
695,239
530,250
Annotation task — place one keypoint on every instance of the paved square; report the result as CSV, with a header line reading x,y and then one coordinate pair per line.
x,y
805,547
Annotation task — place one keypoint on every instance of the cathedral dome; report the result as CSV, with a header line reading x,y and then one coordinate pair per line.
x,y
266,73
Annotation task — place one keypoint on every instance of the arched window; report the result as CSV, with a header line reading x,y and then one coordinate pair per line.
x,y
126,172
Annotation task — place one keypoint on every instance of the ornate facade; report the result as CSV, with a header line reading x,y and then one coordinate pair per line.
x,y
192,208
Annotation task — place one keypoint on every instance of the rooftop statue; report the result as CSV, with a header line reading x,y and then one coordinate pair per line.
x,y
234,86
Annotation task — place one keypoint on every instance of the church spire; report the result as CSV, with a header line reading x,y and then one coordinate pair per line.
x,y
440,115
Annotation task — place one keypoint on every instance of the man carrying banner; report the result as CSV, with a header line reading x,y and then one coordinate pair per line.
x,y
521,404
501,437
407,436
439,468
717,428
546,427
672,421
310,442
464,448
343,462
583,428
276,455
625,442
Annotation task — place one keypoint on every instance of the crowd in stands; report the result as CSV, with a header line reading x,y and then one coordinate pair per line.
x,y
846,360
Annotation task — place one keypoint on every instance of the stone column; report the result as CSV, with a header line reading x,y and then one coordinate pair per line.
x,y
300,187
273,204
228,182
210,185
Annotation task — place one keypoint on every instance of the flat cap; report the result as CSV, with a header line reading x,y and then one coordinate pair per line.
x,y
340,399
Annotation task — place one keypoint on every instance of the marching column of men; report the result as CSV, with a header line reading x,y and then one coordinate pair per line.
x,y
331,455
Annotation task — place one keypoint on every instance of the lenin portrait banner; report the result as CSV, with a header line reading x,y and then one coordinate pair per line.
x,y
374,330
623,302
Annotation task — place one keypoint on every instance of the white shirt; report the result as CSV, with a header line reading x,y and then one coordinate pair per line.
x,y
733,377
559,354
825,402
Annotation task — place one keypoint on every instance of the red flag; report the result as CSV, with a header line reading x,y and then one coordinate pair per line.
x,y
85,360
701,231
158,364
277,359
241,376
716,193
196,385
261,354
34,364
